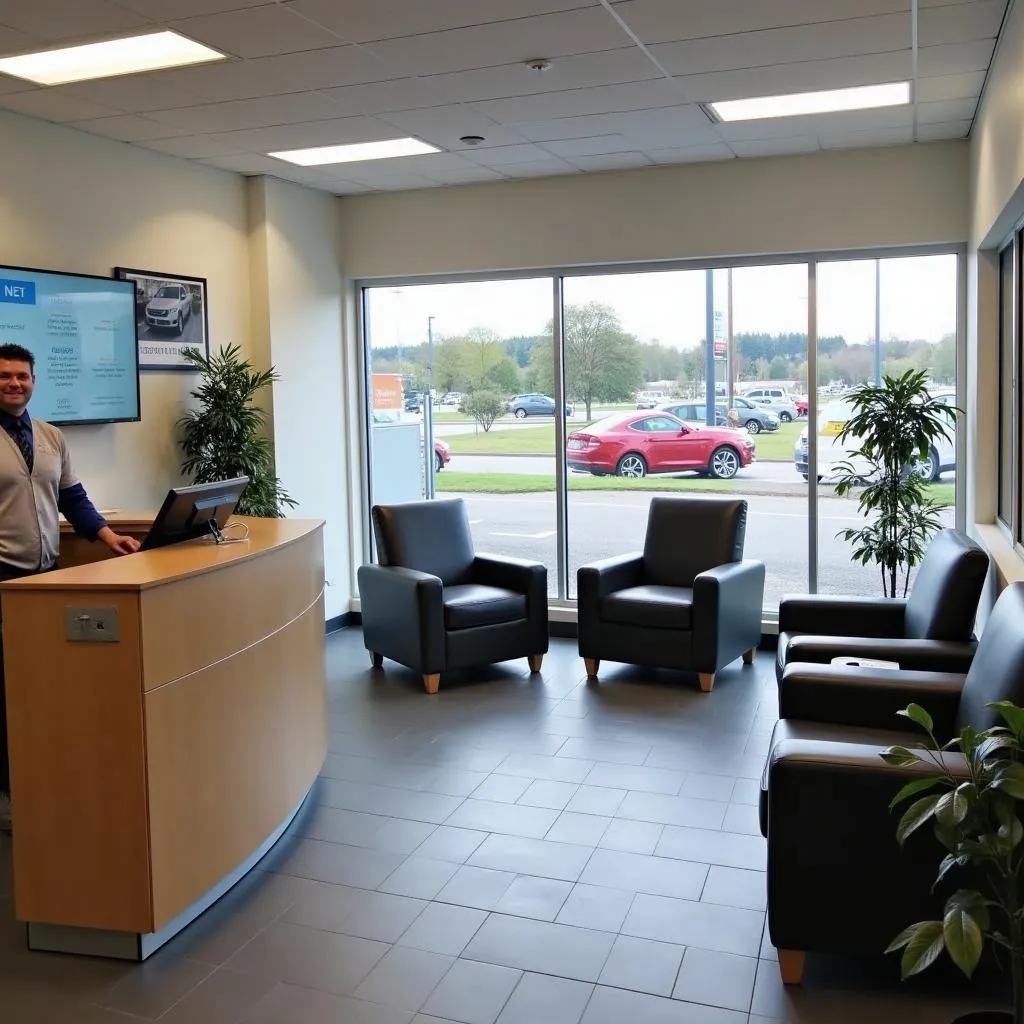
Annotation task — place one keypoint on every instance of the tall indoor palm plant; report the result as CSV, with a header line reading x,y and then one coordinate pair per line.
x,y
895,424
224,437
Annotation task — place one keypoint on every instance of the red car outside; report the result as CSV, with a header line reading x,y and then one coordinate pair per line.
x,y
637,443
442,455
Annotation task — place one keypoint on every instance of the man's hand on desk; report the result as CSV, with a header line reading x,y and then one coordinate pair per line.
x,y
117,543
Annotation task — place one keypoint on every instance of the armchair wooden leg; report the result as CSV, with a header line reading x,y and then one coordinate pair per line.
x,y
748,656
376,660
431,682
536,660
592,665
707,681
791,966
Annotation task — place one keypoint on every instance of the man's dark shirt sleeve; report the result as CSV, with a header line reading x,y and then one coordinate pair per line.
x,y
74,505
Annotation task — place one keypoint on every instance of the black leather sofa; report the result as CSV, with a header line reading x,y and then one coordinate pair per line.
x,y
838,882
932,629
689,601
433,604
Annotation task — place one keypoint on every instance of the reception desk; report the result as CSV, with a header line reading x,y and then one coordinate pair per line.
x,y
166,715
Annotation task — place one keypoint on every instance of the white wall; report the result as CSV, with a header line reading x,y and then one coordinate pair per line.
x,y
996,203
297,312
837,200
71,201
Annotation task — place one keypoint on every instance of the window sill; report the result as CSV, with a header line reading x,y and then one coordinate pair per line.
x,y
1008,563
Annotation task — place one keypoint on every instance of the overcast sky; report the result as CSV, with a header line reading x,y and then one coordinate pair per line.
x,y
918,300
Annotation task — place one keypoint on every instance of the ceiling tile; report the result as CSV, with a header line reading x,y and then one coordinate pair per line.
x,y
259,113
362,22
661,92
258,32
340,187
946,110
13,41
159,10
843,72
691,154
540,169
956,58
661,21
664,128
443,126
433,165
191,147
363,174
288,72
468,175
949,87
599,145
380,97
610,161
960,23
944,130
776,147
337,132
51,20
247,163
549,35
580,71
897,136
50,106
128,128
786,45
499,156
134,94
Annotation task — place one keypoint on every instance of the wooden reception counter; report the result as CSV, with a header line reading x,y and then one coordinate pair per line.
x,y
167,719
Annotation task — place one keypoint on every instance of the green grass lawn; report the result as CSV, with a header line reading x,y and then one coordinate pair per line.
x,y
540,440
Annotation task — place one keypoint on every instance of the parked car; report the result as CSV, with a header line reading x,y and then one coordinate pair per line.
x,y
649,399
170,307
832,452
522,406
753,417
635,444
442,455
412,402
694,414
784,408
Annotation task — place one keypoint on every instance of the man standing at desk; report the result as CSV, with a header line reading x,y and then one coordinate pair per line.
x,y
37,484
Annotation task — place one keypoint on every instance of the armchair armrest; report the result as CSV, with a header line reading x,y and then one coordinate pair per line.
x,y
524,577
403,615
594,582
842,616
918,655
838,882
727,608
868,697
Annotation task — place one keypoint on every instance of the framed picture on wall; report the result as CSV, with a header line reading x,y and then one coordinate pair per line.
x,y
170,316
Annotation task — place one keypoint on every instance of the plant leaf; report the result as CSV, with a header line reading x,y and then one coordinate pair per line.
x,y
900,757
916,815
1009,779
921,943
950,861
915,787
963,927
1011,714
951,808
918,715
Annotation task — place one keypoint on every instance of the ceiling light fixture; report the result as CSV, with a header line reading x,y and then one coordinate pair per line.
x,y
863,97
126,56
385,150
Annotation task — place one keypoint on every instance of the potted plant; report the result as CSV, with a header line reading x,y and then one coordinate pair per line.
x,y
973,804
895,425
224,436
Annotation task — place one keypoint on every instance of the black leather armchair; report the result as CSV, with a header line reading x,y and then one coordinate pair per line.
x,y
930,630
838,882
433,604
689,601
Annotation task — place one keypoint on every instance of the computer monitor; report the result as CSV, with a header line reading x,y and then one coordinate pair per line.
x,y
194,511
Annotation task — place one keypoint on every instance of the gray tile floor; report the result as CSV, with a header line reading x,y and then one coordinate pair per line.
x,y
517,849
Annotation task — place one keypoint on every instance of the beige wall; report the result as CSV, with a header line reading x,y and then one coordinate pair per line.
x,y
297,313
71,201
996,204
837,200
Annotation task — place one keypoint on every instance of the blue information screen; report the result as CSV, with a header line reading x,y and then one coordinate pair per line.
x,y
82,332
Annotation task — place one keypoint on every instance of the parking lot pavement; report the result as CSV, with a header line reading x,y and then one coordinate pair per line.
x,y
602,524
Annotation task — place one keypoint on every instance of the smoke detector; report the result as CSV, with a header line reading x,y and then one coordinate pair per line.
x,y
471,140
538,64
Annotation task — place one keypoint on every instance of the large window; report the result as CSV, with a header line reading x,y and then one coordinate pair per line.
x,y
1008,327
558,405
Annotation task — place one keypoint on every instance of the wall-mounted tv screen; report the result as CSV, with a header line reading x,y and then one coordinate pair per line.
x,y
81,329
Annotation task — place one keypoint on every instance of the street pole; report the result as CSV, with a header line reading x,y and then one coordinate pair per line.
x,y
709,347
427,406
878,323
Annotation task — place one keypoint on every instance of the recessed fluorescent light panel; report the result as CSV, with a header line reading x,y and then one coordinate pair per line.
x,y
128,56
864,97
354,153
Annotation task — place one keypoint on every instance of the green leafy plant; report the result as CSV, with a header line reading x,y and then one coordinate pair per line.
x,y
975,817
224,437
485,407
895,425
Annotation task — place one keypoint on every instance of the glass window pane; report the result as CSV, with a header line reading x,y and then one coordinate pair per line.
x,y
1006,384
